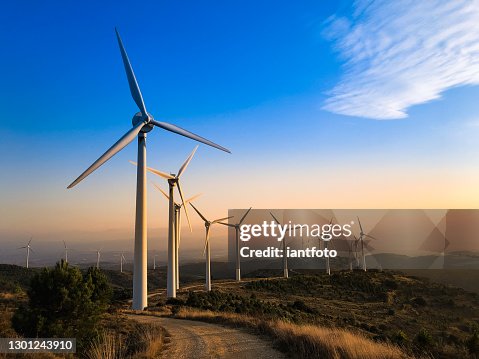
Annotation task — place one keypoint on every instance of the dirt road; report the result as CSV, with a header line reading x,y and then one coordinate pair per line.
x,y
192,339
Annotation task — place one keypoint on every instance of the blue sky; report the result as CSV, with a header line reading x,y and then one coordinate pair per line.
x,y
323,104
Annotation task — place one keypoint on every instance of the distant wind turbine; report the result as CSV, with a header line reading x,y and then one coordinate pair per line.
x,y
237,243
206,250
154,261
143,122
285,256
328,267
362,235
66,252
98,254
29,248
173,180
122,260
177,234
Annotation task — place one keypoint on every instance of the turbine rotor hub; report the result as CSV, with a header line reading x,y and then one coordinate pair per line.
x,y
140,118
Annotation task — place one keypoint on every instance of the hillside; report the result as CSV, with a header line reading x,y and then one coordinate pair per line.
x,y
414,313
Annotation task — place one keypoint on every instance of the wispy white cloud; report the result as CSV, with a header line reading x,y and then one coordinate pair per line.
x,y
402,53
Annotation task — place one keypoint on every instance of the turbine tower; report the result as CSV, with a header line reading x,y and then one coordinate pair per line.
x,y
361,241
237,243
173,180
206,251
143,122
98,255
328,267
285,256
154,261
122,260
29,248
66,252
177,234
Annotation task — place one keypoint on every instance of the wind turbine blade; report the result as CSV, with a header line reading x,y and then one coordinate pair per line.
x,y
226,224
117,147
134,88
156,172
367,235
360,226
64,243
184,206
22,247
183,132
244,216
159,189
191,199
199,213
30,241
272,215
160,173
222,219
187,162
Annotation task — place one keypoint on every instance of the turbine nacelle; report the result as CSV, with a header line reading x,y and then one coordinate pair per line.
x,y
138,118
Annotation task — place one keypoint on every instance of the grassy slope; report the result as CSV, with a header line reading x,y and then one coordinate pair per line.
x,y
414,313
387,306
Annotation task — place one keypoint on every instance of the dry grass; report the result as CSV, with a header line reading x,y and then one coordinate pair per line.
x,y
304,341
145,342
107,345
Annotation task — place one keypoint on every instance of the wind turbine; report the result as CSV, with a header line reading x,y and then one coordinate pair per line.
x,y
350,249
154,261
98,255
66,251
361,241
328,267
206,251
173,180
29,248
122,260
143,122
285,257
237,243
177,234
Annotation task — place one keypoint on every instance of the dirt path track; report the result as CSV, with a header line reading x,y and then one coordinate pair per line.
x,y
192,339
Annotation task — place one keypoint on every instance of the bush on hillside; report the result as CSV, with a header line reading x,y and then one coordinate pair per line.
x,y
63,303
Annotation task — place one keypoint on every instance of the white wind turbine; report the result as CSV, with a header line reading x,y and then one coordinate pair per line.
x,y
362,235
206,251
350,250
285,256
143,122
177,225
325,245
66,251
173,180
154,261
29,248
237,243
122,261
98,255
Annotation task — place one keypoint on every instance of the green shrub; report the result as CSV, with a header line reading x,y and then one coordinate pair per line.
x,y
63,303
